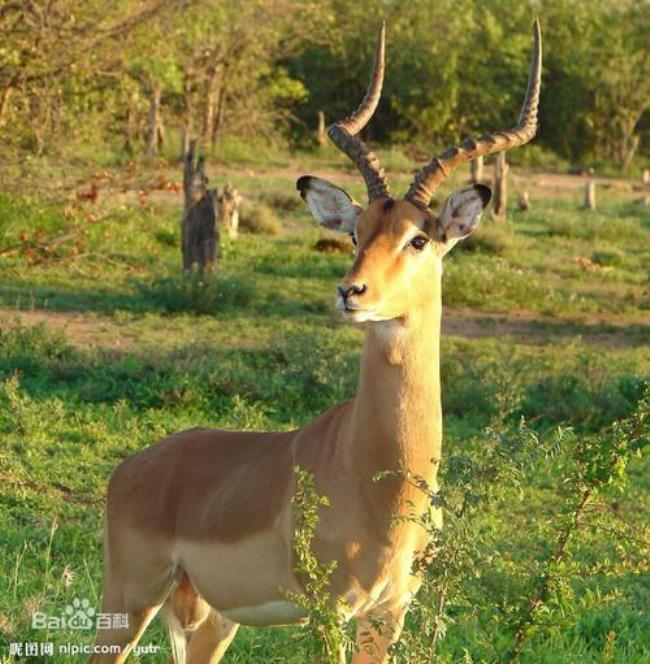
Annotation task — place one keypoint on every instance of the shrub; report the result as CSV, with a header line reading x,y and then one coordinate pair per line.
x,y
207,296
488,240
30,349
607,257
282,201
258,218
517,592
168,237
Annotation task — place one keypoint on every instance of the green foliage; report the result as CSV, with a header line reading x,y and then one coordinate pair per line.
x,y
608,257
168,237
261,71
258,218
576,387
601,90
31,349
488,239
280,200
326,636
470,574
209,295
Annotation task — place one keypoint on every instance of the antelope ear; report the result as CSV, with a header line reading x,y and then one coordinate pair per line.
x,y
330,205
461,213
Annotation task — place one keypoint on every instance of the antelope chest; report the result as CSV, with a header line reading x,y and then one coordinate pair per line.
x,y
387,581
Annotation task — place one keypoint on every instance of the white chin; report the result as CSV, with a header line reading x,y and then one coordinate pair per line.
x,y
363,316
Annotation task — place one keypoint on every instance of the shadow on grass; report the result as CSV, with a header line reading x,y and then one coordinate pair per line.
x,y
293,379
164,295
541,332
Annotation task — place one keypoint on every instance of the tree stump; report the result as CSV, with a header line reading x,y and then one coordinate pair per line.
x,y
500,194
644,201
590,196
228,201
476,170
199,232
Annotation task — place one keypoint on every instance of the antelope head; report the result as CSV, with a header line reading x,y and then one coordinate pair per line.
x,y
400,243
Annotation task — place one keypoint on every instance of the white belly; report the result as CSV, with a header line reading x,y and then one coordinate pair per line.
x,y
279,612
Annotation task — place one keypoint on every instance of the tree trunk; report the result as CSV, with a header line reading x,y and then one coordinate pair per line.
x,y
209,107
188,174
5,98
186,133
199,233
161,131
154,122
630,151
500,194
40,113
476,170
186,138
590,195
221,108
129,128
645,177
4,103
321,133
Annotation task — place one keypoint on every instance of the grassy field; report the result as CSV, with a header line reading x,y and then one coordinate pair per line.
x,y
104,349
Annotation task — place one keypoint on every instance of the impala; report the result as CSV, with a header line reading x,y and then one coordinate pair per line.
x,y
201,523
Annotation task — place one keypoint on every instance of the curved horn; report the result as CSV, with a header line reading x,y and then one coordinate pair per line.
x,y
429,178
344,133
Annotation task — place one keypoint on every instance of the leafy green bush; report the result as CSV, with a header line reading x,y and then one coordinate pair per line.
x,y
574,388
475,280
488,239
608,257
31,349
505,591
196,295
258,218
168,237
326,634
279,200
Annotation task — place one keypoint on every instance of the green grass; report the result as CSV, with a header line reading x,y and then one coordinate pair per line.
x,y
258,345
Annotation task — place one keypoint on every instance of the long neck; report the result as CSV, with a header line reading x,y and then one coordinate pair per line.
x,y
397,417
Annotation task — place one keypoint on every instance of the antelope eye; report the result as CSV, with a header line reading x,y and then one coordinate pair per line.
x,y
354,239
419,242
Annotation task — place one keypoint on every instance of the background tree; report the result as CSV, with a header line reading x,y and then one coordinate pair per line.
x,y
110,73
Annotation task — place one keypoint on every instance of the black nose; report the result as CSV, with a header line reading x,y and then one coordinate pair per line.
x,y
354,289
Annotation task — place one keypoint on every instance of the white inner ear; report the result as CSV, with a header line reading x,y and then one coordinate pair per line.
x,y
460,215
330,205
